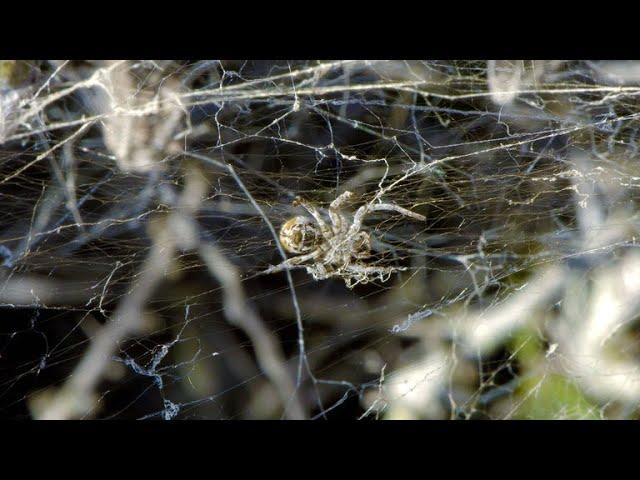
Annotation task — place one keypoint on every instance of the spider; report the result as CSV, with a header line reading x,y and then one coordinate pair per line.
x,y
337,249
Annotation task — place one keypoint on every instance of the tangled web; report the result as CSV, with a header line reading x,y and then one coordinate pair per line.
x,y
142,203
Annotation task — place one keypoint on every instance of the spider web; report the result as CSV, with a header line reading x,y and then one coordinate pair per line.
x,y
142,200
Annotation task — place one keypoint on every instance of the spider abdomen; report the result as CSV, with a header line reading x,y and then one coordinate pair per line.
x,y
299,235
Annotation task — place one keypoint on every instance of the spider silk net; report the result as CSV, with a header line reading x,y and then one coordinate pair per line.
x,y
142,199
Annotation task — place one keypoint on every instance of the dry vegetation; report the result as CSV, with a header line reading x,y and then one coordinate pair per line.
x,y
484,264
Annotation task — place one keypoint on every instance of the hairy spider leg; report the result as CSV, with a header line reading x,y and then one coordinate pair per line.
x,y
399,209
390,207
293,262
338,220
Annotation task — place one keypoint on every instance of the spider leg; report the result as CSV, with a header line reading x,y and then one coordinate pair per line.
x,y
324,228
293,262
358,217
338,220
340,200
390,207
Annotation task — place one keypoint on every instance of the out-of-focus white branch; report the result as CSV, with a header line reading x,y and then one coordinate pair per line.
x,y
24,290
414,392
483,331
76,397
238,312
587,337
135,136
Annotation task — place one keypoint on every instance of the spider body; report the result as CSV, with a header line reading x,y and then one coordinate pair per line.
x,y
336,249
300,235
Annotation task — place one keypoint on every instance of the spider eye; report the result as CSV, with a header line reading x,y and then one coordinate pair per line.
x,y
299,235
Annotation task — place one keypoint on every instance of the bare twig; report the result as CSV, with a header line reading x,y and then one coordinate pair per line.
x,y
239,313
